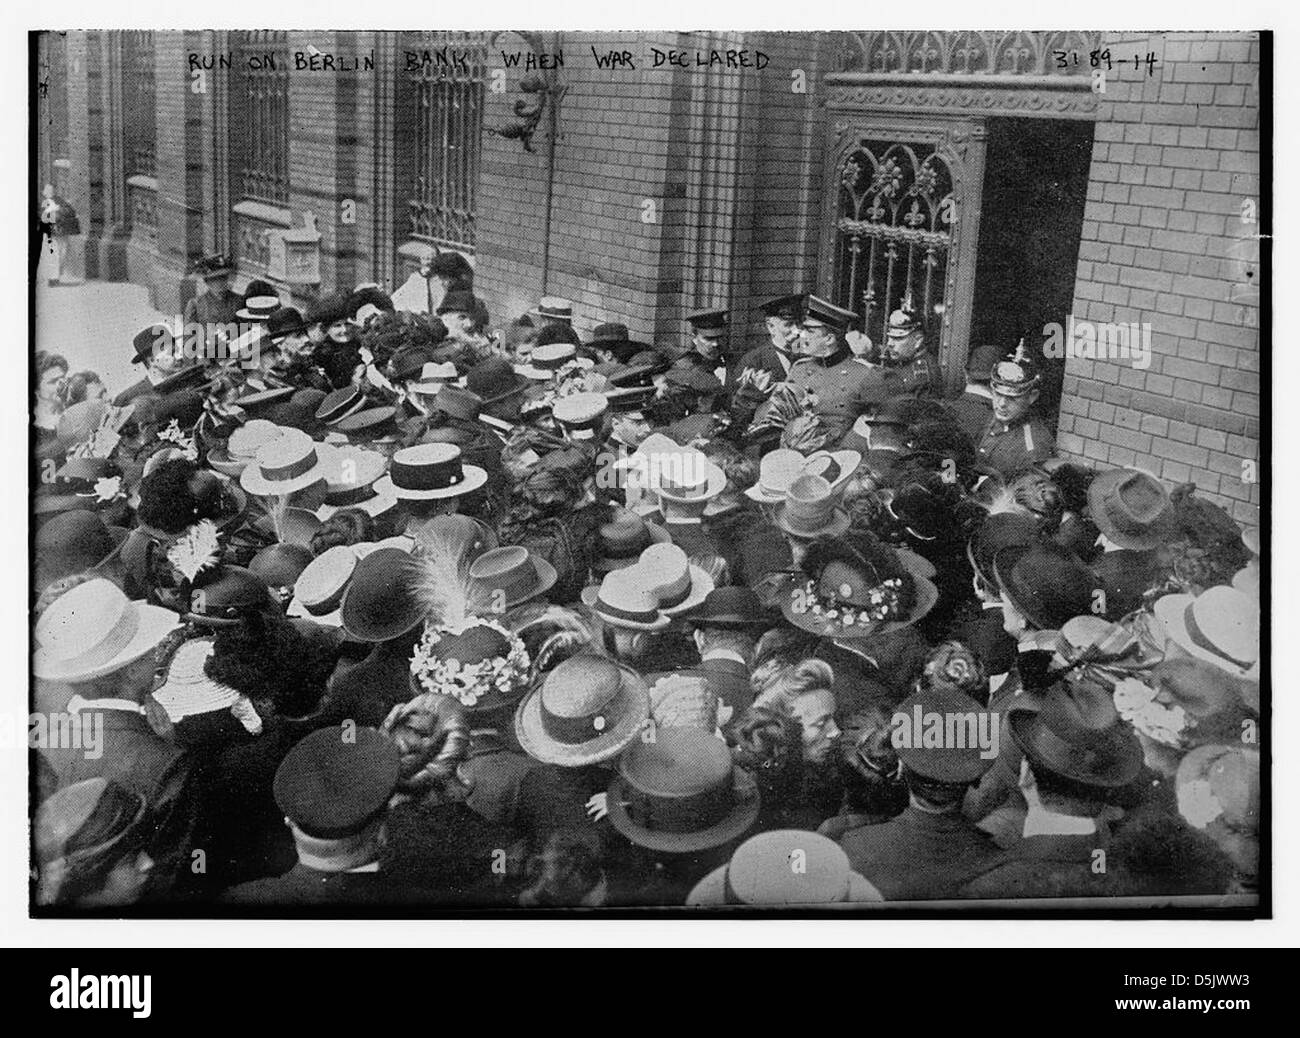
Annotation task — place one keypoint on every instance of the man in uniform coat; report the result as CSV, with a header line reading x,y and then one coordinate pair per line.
x,y
930,849
910,368
845,386
1014,439
750,381
708,347
974,407
216,303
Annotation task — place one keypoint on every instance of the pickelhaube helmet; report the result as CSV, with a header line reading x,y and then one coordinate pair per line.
x,y
1017,375
904,321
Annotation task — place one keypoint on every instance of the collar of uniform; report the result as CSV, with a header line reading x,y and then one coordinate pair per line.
x,y
77,704
841,354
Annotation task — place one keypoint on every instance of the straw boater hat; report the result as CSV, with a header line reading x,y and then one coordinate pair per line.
x,y
546,360
625,599
811,510
242,446
1131,508
187,692
258,308
776,471
350,482
94,629
430,472
587,710
681,793
784,868
287,464
1220,626
555,307
676,584
507,577
693,480
319,589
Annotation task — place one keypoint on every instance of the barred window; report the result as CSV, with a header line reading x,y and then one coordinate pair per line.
x,y
440,105
259,116
139,126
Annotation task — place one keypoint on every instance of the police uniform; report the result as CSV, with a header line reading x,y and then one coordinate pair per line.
x,y
845,387
1010,448
752,380
918,377
712,325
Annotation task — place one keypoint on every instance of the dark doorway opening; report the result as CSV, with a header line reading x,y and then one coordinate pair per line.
x,y
1031,219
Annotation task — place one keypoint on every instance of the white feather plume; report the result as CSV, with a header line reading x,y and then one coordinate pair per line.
x,y
196,550
445,568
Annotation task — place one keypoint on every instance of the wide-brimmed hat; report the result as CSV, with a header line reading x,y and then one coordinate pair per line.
x,y
350,482
187,691
225,597
382,599
625,599
320,588
624,538
368,424
284,322
811,510
494,380
280,565
613,336
681,793
957,758
555,307
1131,508
836,467
74,542
730,608
285,465
1220,626
677,585
776,471
82,830
695,481
258,308
586,710
1045,582
1077,734
430,472
1000,530
502,578
94,629
480,663
761,873
546,360
263,396
840,601
297,526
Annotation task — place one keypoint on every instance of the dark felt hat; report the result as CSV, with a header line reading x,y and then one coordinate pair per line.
x,y
1077,734
284,322
143,344
280,565
73,542
328,309
711,323
1046,583
1131,507
336,781
383,599
731,608
458,301
998,531
224,597
81,831
790,307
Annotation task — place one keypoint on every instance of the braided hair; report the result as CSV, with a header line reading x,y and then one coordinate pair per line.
x,y
432,734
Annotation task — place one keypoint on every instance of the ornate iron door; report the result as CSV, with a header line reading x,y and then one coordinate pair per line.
x,y
902,224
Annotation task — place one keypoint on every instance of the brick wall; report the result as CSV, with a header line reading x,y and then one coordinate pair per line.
x,y
1175,156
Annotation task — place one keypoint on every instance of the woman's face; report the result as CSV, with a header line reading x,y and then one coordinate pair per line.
x,y
48,388
815,713
96,391
339,331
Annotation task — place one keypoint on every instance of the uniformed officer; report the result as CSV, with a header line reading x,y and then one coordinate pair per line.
x,y
751,381
216,303
845,386
911,369
1014,439
974,407
707,349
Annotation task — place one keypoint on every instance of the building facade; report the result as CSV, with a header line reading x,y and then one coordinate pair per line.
x,y
1003,183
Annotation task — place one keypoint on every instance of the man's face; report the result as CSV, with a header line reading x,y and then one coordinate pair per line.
x,y
782,332
709,348
903,347
1013,621
1008,409
48,390
459,325
815,713
817,340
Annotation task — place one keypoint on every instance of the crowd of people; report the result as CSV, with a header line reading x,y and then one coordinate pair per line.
x,y
391,609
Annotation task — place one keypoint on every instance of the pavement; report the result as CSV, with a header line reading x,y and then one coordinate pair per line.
x,y
92,323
